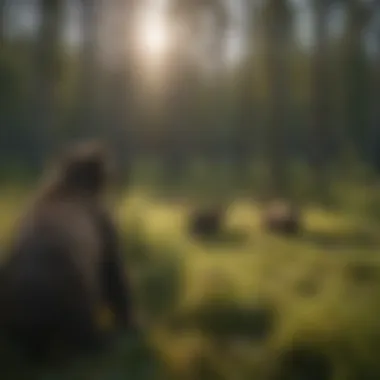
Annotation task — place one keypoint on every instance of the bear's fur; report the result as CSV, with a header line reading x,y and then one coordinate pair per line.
x,y
64,264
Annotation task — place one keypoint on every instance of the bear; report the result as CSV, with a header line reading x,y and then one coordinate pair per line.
x,y
207,222
65,262
282,217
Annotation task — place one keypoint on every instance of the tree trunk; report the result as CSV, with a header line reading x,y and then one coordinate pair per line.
x,y
2,20
47,75
179,115
320,125
353,78
88,85
245,124
120,85
245,127
374,135
277,44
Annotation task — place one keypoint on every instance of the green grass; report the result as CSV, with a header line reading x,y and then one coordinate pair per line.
x,y
235,308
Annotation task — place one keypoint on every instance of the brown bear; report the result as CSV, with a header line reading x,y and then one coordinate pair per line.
x,y
282,217
65,262
207,222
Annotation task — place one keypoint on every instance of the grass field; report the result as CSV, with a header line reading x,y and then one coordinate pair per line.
x,y
246,306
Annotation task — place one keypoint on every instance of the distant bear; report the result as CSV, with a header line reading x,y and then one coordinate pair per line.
x,y
281,217
207,222
64,262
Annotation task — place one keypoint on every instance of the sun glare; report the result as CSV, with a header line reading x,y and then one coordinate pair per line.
x,y
153,43
153,35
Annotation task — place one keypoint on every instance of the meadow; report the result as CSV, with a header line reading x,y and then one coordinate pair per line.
x,y
216,103
245,305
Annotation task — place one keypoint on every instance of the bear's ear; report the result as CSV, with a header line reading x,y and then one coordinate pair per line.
x,y
94,151
85,165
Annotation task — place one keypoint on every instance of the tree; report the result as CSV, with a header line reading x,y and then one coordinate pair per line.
x,y
188,14
374,135
88,82
47,75
186,17
246,115
2,19
320,124
118,83
355,70
277,19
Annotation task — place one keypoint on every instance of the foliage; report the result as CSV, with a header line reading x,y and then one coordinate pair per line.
x,y
238,310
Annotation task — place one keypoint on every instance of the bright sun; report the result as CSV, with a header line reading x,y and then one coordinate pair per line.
x,y
153,35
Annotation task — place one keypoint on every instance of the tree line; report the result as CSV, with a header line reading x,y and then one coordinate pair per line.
x,y
281,103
